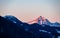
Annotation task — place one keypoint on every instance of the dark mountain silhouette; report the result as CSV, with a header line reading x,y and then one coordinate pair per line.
x,y
12,30
12,18
56,24
11,27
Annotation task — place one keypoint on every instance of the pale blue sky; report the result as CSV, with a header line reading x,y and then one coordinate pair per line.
x,y
27,10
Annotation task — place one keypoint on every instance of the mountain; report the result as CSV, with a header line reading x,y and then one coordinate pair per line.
x,y
11,27
42,20
56,24
12,18
48,22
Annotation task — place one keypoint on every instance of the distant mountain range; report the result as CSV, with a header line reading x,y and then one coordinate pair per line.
x,y
56,24
42,20
46,21
11,27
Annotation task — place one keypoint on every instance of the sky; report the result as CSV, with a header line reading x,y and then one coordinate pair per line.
x,y
27,10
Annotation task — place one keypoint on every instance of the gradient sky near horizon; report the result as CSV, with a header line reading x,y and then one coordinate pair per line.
x,y
27,10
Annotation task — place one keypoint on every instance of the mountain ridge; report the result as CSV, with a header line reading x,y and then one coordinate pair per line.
x,y
18,29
